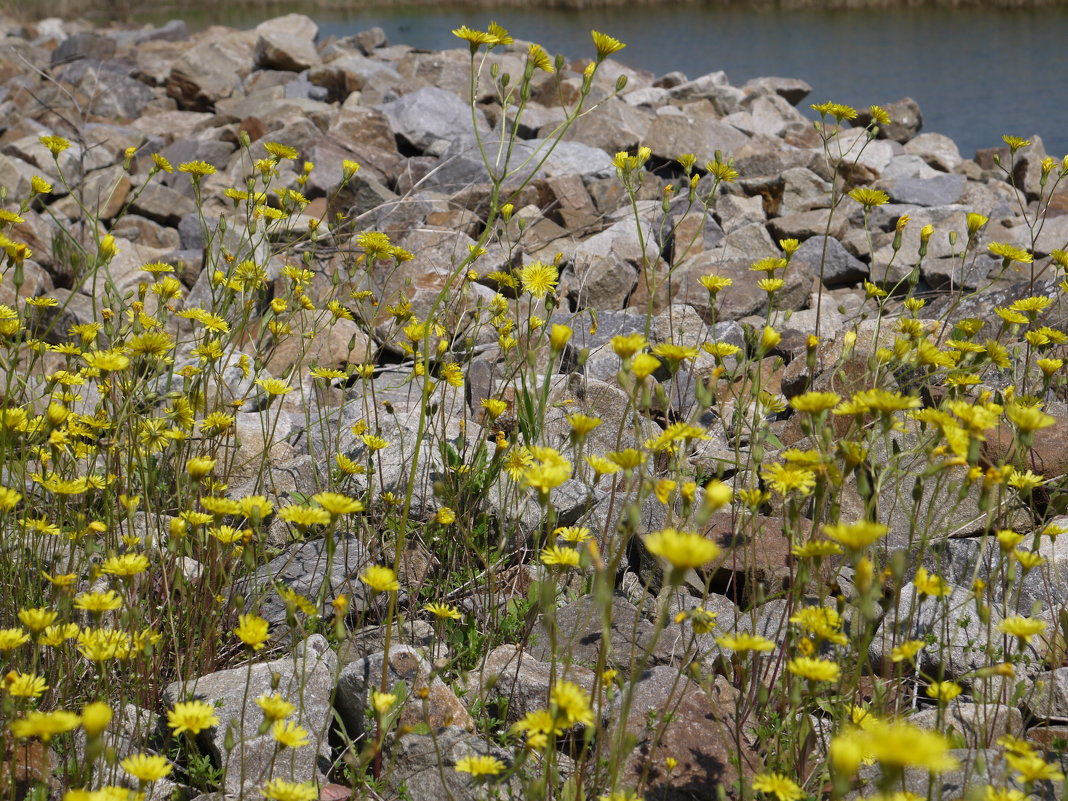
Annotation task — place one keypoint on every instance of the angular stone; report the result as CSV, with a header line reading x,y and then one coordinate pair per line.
x,y
208,72
631,641
701,133
307,568
440,708
906,120
426,116
826,257
424,767
942,190
792,90
163,204
698,734
511,675
284,51
937,150
979,724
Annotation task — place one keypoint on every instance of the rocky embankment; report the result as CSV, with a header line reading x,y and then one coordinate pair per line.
x,y
403,115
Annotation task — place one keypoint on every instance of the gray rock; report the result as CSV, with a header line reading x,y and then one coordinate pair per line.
x,y
839,266
511,675
423,768
439,709
905,120
961,639
942,190
697,732
285,51
631,641
85,45
208,72
306,568
424,117
164,205
792,90
701,133
937,150
1049,698
605,267
304,678
299,25
950,273
980,725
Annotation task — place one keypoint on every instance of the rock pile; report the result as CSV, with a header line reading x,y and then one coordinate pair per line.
x,y
403,114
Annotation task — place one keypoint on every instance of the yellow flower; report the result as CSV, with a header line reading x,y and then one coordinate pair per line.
x,y
146,767
778,785
813,669
474,37
273,386
1010,253
374,443
539,278
839,111
382,702
769,338
743,642
785,479
559,336
570,705
444,611
55,144
280,151
558,555
606,45
479,765
304,516
197,169
380,579
282,790
44,725
898,744
445,516
1028,418
24,685
815,402
583,424
97,602
106,360
944,691
644,365
275,707
627,345
37,619
683,550
289,734
855,536
192,717
869,197
252,631
337,504
1032,768
130,564
95,717
930,584
550,470
1023,628
537,56
907,651
879,115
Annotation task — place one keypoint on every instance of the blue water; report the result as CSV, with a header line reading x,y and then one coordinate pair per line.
x,y
976,73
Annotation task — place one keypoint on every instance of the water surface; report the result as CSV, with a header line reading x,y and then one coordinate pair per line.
x,y
976,73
